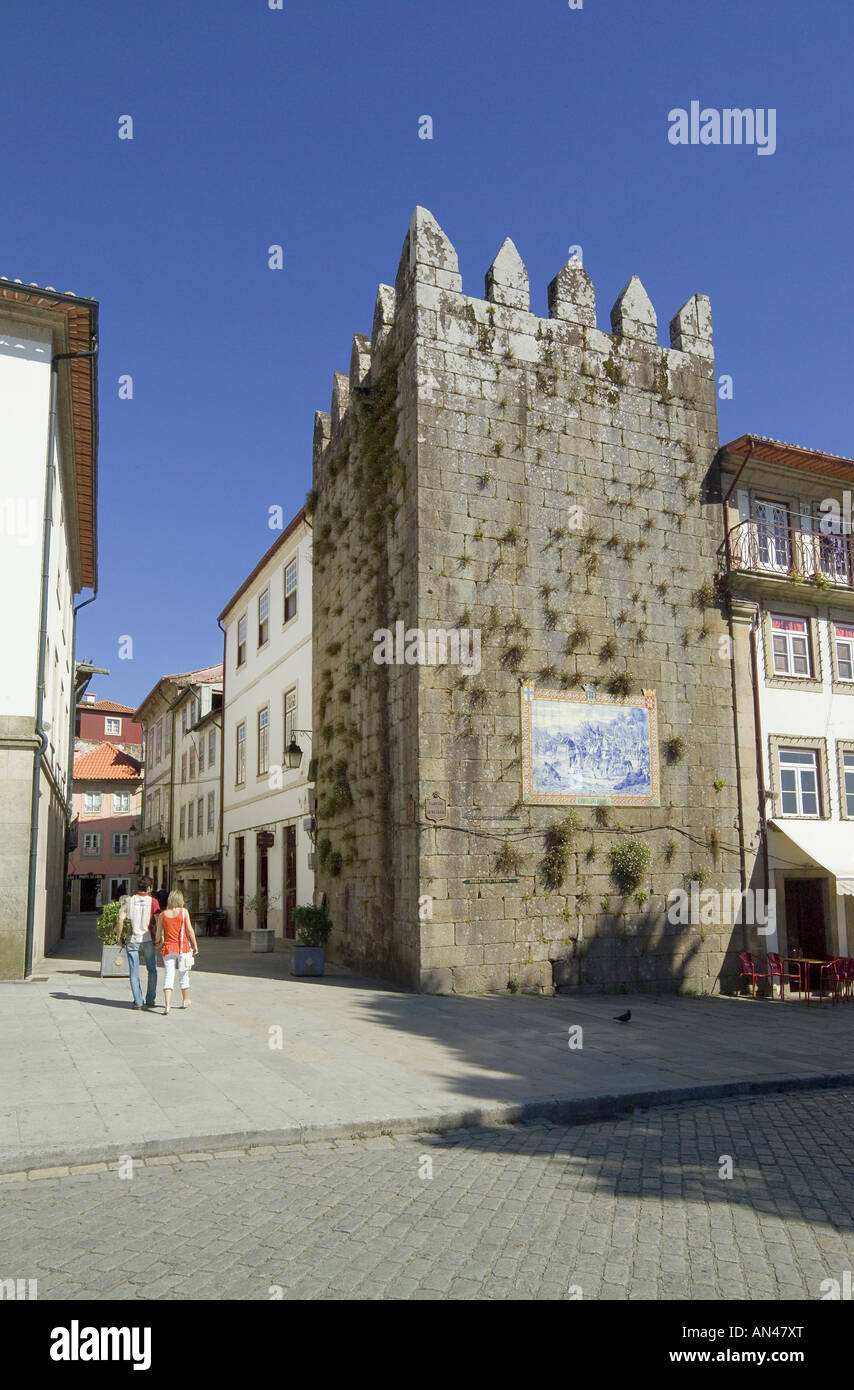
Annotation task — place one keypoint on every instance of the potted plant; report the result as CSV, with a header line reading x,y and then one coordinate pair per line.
x,y
313,929
114,961
263,938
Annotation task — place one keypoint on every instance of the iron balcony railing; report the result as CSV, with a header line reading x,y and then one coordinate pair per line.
x,y
760,547
150,836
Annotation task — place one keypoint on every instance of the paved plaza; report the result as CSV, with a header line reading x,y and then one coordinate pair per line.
x,y
262,1057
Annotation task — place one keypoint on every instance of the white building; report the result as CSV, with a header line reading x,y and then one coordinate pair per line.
x,y
266,709
197,743
48,553
790,577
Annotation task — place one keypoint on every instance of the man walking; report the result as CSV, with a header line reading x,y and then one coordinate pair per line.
x,y
140,911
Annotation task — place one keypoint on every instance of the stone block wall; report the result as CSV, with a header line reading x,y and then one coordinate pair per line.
x,y
553,487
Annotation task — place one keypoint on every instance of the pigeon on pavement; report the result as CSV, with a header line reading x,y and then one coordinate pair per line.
x,y
623,1018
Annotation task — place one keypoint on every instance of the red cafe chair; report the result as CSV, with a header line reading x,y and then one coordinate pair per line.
x,y
829,974
749,971
778,970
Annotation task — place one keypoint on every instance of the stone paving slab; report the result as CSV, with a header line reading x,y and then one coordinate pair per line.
x,y
87,1078
630,1208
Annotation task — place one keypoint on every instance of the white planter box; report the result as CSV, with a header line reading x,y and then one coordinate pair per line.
x,y
263,939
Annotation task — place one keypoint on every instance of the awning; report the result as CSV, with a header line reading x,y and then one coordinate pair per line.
x,y
827,844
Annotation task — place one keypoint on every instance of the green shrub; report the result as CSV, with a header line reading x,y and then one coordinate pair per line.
x,y
313,925
107,926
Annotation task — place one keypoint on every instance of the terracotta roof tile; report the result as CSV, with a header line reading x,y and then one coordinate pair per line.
x,y
106,707
106,763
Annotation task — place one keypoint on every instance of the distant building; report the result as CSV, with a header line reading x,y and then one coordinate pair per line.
x,y
267,831
48,477
100,721
107,801
197,735
790,579
158,833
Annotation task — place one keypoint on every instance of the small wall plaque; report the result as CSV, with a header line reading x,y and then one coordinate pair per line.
x,y
436,808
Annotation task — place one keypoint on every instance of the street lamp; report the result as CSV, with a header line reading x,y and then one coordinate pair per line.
x,y
293,749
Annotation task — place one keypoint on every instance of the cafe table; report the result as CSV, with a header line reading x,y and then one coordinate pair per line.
x,y
807,961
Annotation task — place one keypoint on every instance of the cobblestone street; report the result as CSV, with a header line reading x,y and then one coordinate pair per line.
x,y
633,1208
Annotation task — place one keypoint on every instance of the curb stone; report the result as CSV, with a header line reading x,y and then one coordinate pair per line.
x,y
556,1109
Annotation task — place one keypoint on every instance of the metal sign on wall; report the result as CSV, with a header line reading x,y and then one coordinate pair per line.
x,y
265,839
436,808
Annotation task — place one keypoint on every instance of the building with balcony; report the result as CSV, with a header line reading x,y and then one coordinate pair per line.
x,y
157,716
107,803
790,585
268,843
48,489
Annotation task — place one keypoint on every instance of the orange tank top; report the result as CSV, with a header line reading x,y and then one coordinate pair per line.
x,y
176,939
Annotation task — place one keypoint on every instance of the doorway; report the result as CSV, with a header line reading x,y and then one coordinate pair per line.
x,y
262,879
806,926
240,879
290,879
90,894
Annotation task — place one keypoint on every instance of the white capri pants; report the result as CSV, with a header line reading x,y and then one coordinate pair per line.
x,y
169,963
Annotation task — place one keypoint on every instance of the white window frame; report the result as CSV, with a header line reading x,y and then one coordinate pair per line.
x,y
240,755
291,588
242,624
263,618
109,725
848,783
787,639
123,850
93,837
121,809
263,723
91,809
847,642
799,767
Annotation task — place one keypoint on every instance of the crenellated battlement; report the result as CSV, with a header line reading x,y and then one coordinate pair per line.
x,y
427,302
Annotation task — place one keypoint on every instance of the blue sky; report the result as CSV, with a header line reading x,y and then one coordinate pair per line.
x,y
300,127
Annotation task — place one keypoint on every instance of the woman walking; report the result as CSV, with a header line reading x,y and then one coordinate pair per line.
x,y
177,940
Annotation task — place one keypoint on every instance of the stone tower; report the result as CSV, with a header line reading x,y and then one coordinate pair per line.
x,y
552,490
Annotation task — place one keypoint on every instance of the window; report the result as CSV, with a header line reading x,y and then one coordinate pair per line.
x,y
240,768
168,737
191,814
263,617
121,845
290,591
799,782
791,647
263,740
121,803
212,748
241,640
183,767
192,762
194,712
848,774
210,811
200,815
112,726
844,637
91,843
148,802
290,716
92,803
773,536
201,755
184,720
181,822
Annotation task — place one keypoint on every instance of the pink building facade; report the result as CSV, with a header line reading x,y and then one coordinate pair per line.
x,y
107,806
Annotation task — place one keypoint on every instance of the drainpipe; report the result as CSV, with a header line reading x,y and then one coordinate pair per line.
x,y
222,773
725,500
29,940
760,773
72,721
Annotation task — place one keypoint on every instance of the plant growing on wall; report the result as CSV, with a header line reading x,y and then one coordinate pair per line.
x,y
508,860
630,861
558,840
675,750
